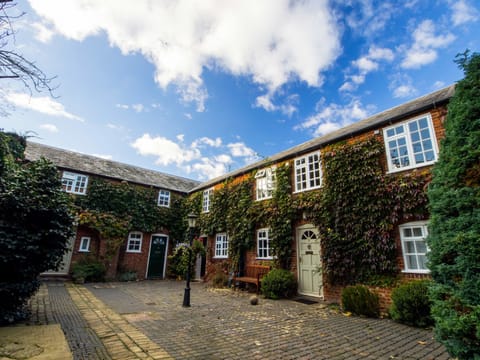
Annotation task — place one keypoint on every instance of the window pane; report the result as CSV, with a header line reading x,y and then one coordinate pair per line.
x,y
417,231
422,262
390,132
413,126
419,159
427,144
399,130
430,155
410,247
412,262
421,247
423,123
407,232
415,136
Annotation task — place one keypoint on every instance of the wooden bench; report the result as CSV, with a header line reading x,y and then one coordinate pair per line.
x,y
253,275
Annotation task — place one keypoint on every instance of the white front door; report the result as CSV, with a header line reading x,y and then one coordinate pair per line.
x,y
309,261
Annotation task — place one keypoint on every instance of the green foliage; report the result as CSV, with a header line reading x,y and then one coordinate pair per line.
x,y
359,300
127,275
454,232
129,207
279,283
357,209
281,217
89,269
411,304
220,276
35,223
178,261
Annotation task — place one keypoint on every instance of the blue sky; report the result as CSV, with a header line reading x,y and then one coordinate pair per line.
x,y
199,88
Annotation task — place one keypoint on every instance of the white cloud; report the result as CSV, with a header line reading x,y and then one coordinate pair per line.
x,y
403,91
365,65
49,127
425,45
272,41
43,104
188,116
463,13
288,108
166,151
207,141
104,156
42,33
333,117
401,86
204,156
438,84
138,107
122,106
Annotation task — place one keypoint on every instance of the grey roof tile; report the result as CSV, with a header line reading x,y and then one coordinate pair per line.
x,y
73,161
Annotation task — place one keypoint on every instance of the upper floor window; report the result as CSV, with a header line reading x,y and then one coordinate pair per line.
x,y
308,172
414,246
84,244
134,243
263,244
265,183
164,198
74,183
221,246
207,195
410,144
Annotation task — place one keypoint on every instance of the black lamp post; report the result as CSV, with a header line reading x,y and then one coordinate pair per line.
x,y
192,218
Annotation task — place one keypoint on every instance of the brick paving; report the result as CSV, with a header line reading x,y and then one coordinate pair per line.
x,y
145,320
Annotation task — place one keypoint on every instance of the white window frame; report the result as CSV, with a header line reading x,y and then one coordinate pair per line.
x,y
221,246
306,169
265,183
74,183
206,200
163,198
264,250
402,132
135,239
414,240
84,244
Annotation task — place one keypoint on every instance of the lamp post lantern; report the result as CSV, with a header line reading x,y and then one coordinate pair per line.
x,y
192,218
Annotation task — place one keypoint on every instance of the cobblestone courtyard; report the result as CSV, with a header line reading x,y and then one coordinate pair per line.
x,y
145,320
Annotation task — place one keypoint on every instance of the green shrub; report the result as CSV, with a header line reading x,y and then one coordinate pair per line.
x,y
35,223
127,275
90,270
279,283
411,304
360,300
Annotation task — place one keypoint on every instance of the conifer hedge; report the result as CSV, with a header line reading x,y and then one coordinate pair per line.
x,y
454,239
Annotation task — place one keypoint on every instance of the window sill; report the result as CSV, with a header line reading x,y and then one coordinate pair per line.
x,y
264,258
84,251
220,257
134,251
165,206
406,168
416,272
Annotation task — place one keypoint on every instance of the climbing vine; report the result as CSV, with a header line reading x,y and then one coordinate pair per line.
x,y
357,210
129,207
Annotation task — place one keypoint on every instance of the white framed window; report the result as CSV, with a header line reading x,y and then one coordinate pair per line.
x,y
221,246
164,198
263,244
207,196
414,246
134,243
308,172
84,244
265,183
410,144
74,183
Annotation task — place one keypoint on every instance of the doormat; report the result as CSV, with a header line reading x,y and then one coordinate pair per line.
x,y
305,301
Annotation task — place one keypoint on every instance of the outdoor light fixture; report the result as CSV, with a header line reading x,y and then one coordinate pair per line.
x,y
192,219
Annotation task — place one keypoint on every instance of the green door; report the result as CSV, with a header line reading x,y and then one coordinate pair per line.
x,y
156,260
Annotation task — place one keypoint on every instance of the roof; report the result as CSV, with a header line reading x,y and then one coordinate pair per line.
x,y
420,104
93,165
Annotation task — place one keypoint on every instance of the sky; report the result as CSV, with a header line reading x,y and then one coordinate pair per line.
x,y
200,88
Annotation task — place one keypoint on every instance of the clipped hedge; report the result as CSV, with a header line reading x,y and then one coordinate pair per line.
x,y
411,304
279,283
359,300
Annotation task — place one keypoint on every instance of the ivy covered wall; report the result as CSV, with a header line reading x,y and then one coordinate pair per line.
x,y
356,211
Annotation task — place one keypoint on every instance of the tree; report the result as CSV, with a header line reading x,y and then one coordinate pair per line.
x,y
14,65
454,240
35,223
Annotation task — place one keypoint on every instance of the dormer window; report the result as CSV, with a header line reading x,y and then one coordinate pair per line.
x,y
265,183
74,183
